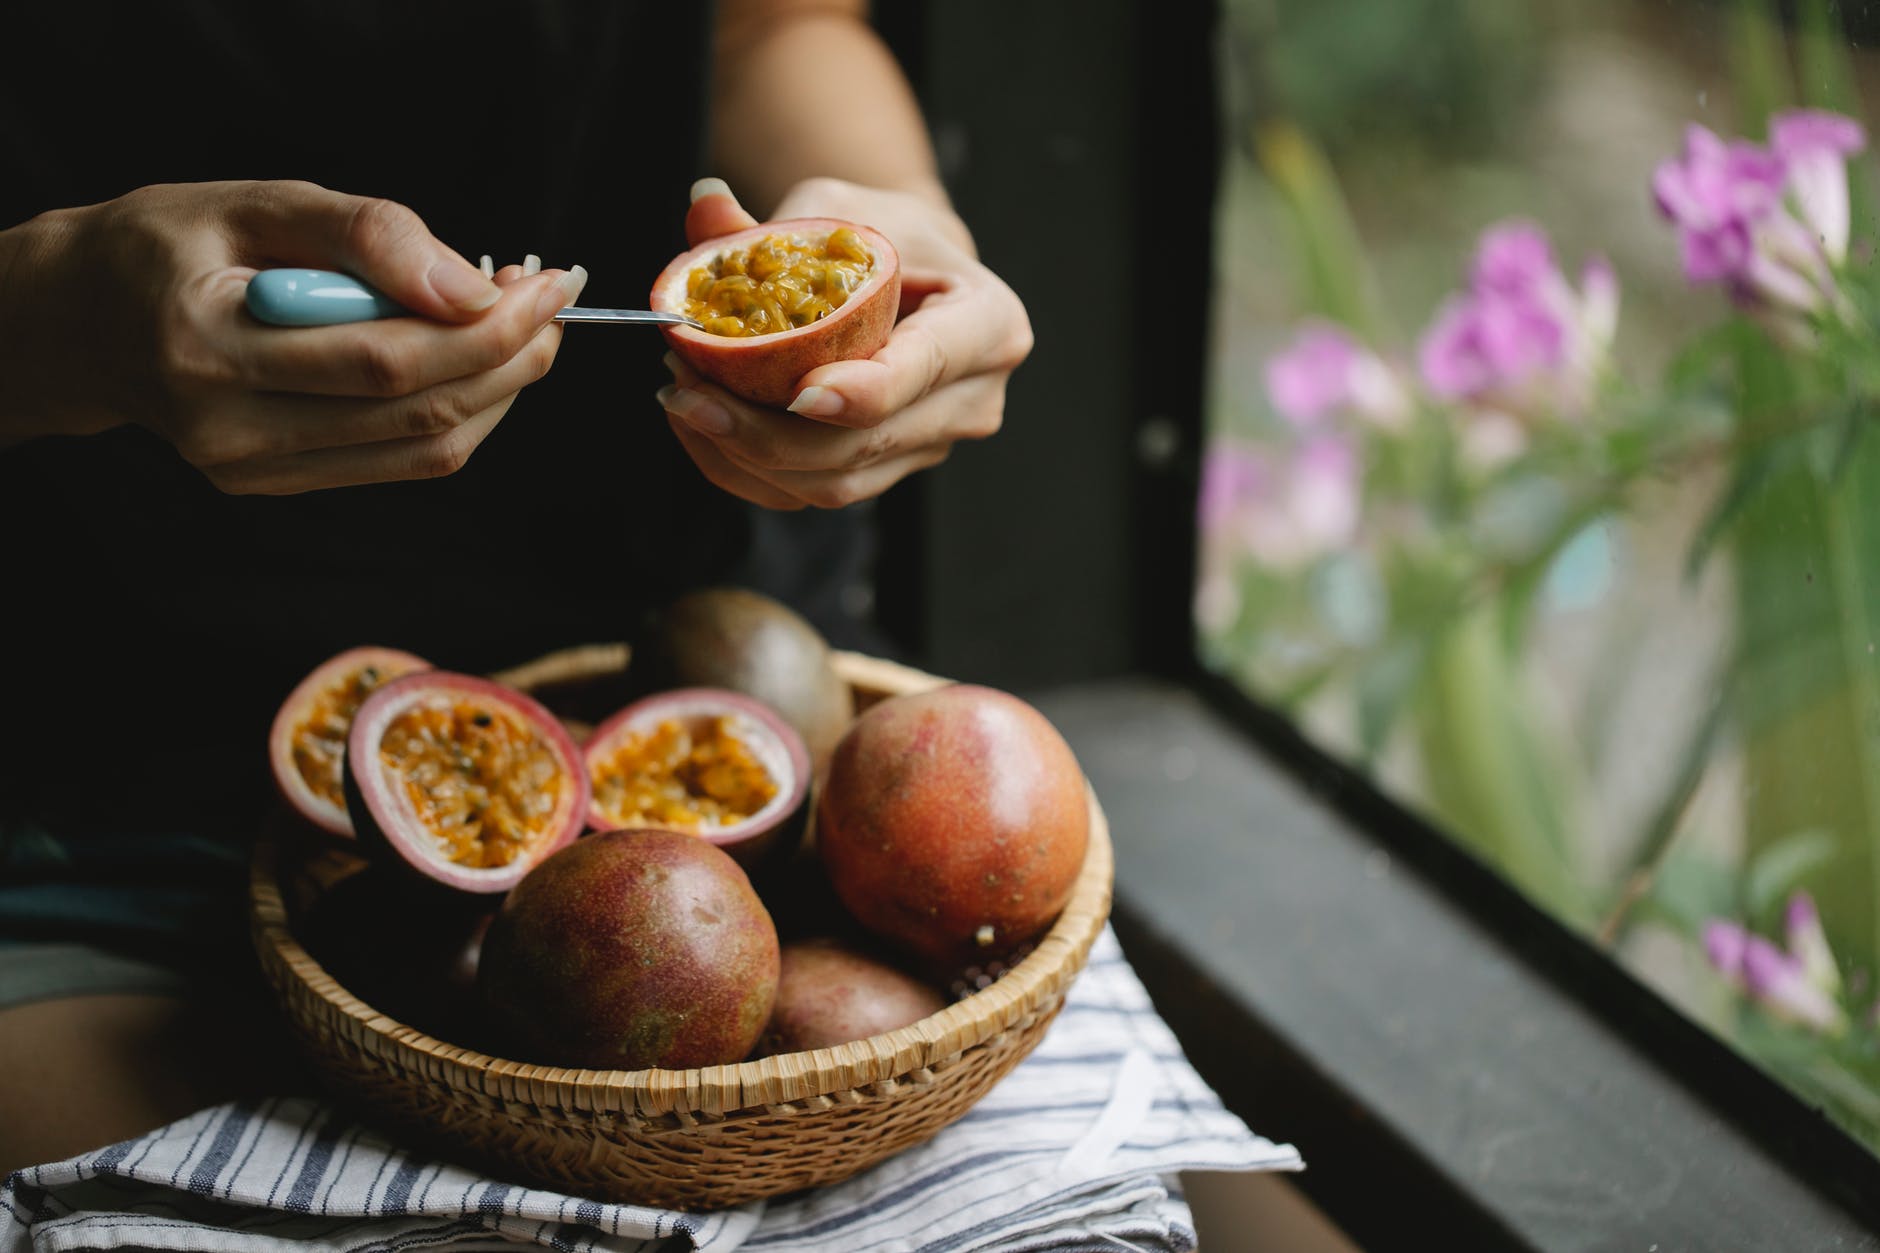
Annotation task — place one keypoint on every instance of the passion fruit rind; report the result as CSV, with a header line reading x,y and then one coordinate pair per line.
x,y
383,801
758,839
767,368
294,744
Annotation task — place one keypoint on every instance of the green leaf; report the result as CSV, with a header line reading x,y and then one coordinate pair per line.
x,y
1758,63
1776,870
1689,890
1385,681
1335,274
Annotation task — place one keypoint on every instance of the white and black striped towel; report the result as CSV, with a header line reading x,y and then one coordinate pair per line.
x,y
1076,1149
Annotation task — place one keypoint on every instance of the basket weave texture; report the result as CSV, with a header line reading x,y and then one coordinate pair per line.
x,y
693,1139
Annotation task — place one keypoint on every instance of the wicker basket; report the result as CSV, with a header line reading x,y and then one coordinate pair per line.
x,y
697,1139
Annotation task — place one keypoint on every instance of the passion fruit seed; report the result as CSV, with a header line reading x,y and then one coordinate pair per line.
x,y
670,777
481,783
319,739
779,283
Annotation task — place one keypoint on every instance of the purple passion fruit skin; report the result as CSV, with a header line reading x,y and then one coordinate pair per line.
x,y
954,823
462,781
744,641
830,994
766,368
406,950
631,950
307,743
703,716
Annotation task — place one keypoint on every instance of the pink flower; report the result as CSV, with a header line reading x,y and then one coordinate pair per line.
x,y
1779,983
1521,341
1800,984
1801,925
1814,147
1768,222
1326,372
1285,509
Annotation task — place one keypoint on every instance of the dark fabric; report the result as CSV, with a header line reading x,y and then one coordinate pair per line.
x,y
152,625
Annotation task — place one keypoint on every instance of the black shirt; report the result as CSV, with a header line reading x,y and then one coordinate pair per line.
x,y
153,624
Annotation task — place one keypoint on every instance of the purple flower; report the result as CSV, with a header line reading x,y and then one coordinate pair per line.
x,y
1724,943
1799,984
1230,474
1324,372
1801,927
1779,983
1521,341
1285,509
1736,208
1814,147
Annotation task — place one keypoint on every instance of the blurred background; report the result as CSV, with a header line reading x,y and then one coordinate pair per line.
x,y
1608,621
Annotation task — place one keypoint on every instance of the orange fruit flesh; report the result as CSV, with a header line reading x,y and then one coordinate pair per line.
x,y
483,783
320,738
681,779
780,283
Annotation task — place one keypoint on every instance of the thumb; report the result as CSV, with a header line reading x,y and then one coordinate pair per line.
x,y
379,241
714,212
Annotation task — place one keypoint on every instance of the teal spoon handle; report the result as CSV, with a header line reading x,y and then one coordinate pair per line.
x,y
316,298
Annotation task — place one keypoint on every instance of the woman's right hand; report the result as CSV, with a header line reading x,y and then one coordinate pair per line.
x,y
133,311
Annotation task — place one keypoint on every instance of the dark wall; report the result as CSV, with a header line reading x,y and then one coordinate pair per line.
x,y
1077,143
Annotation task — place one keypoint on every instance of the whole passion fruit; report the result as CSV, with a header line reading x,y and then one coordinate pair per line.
x,y
463,780
780,299
702,761
629,950
953,822
829,994
307,744
744,641
408,953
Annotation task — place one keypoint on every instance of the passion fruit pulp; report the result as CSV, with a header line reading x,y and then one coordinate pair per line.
x,y
702,761
463,780
307,743
779,300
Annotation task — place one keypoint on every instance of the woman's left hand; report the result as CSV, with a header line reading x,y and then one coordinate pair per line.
x,y
856,428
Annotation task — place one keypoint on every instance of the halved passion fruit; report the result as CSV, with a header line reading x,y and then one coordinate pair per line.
x,y
780,299
705,762
466,781
307,744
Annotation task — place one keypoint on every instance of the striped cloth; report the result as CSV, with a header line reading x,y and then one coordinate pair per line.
x,y
1076,1149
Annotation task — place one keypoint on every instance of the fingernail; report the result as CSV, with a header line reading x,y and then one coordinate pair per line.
x,y
818,402
701,413
560,294
487,264
461,286
680,370
709,187
532,264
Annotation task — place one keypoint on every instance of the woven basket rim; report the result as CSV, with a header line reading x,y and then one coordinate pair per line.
x,y
1013,1000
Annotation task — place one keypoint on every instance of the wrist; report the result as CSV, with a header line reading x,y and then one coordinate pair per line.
x,y
44,389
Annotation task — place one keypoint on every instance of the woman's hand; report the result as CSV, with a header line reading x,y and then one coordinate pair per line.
x,y
856,428
132,311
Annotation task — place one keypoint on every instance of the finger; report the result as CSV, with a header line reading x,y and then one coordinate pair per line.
x,y
427,457
975,328
394,356
769,439
714,212
838,489
379,241
508,275
276,425
726,476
